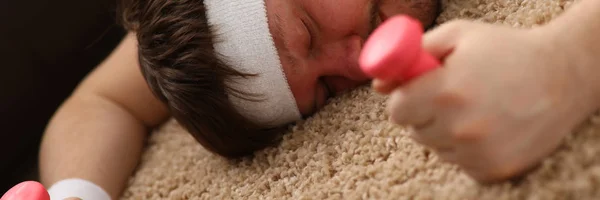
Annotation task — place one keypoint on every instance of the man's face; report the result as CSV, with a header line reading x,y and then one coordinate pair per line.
x,y
319,41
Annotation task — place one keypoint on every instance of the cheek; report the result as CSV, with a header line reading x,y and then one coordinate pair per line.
x,y
339,16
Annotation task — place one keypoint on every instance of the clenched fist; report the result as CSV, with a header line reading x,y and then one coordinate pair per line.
x,y
502,100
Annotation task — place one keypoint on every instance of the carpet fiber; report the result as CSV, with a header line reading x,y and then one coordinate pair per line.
x,y
349,150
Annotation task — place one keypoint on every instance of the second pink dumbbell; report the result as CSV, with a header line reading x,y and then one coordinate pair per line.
x,y
28,190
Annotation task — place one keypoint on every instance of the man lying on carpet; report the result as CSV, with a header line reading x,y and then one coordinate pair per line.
x,y
234,86
262,65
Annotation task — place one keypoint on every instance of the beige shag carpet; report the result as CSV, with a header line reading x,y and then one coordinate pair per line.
x,y
350,151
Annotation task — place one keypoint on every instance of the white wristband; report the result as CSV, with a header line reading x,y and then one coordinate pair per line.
x,y
79,188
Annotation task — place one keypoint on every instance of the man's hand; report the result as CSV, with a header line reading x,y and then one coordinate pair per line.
x,y
503,99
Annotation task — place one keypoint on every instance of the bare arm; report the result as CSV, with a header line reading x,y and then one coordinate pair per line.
x,y
580,26
98,133
579,29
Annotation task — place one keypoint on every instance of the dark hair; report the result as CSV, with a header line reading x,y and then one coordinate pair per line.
x,y
177,59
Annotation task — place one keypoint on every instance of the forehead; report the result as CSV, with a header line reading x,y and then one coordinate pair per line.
x,y
321,9
331,14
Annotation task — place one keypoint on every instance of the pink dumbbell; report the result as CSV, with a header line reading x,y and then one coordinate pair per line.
x,y
393,51
28,190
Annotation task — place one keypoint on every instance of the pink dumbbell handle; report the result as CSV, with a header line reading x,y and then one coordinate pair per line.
x,y
425,63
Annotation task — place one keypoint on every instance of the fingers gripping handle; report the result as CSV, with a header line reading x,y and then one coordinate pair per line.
x,y
394,52
425,63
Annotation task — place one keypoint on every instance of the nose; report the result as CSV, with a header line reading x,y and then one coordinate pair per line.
x,y
339,62
341,59
355,44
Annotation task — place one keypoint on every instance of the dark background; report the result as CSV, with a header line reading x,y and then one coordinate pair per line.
x,y
46,48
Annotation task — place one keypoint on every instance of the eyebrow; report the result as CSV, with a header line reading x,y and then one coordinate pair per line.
x,y
281,35
373,15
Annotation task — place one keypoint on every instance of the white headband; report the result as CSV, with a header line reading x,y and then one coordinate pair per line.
x,y
244,41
